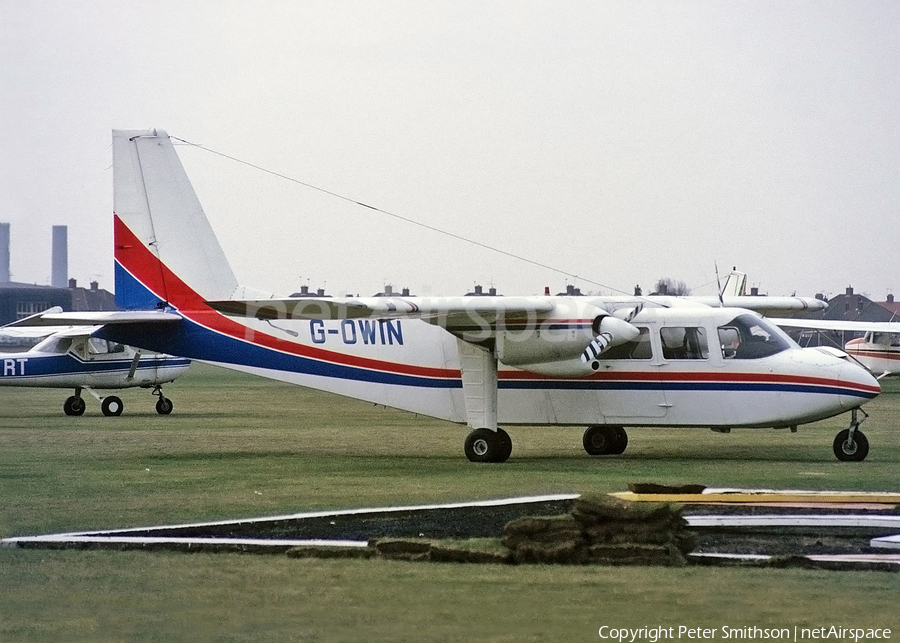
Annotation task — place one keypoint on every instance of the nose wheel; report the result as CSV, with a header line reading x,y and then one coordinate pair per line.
x,y
164,405
851,444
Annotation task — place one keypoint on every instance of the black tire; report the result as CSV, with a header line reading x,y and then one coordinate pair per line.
x,y
855,452
621,441
484,445
74,405
164,406
604,440
111,406
505,446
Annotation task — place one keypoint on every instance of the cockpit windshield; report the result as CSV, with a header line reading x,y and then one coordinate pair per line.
x,y
53,344
751,337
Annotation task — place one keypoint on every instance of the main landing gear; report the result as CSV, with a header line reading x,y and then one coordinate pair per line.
x,y
112,405
851,444
605,440
485,445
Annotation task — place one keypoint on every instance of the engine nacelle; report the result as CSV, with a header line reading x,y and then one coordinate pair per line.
x,y
564,368
546,345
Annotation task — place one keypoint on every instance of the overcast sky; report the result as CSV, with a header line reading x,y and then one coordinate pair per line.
x,y
620,142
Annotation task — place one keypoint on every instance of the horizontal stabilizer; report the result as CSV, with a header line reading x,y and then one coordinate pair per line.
x,y
99,318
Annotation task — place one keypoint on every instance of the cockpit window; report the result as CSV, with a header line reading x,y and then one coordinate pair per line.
x,y
97,346
750,337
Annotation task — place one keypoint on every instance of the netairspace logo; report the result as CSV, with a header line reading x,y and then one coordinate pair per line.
x,y
796,633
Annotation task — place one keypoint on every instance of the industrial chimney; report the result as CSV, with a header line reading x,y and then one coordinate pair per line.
x,y
59,274
4,253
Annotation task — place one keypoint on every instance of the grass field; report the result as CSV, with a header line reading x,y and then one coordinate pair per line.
x,y
238,446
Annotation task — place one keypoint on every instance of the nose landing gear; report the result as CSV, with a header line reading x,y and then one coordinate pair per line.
x,y
851,444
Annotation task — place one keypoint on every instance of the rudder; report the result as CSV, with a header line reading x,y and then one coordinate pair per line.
x,y
165,249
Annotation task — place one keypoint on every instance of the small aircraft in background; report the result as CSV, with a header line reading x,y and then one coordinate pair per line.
x,y
604,362
72,357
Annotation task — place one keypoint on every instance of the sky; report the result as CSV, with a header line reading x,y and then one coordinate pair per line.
x,y
599,144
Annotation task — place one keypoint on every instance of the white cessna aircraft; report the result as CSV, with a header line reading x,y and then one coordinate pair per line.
x,y
601,362
71,357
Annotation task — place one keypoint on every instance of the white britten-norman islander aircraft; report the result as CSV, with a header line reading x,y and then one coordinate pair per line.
x,y
72,358
601,362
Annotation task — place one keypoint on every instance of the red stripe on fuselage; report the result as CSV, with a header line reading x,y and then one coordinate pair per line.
x,y
144,266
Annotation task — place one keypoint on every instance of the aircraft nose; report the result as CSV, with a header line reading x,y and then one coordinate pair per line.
x,y
859,385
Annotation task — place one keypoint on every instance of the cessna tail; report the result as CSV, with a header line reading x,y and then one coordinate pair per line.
x,y
601,362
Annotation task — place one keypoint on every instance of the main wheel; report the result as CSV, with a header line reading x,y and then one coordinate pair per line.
x,y
621,441
111,405
505,446
74,405
484,445
604,440
164,405
847,451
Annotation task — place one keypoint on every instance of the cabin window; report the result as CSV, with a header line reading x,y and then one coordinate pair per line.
x,y
636,349
684,342
750,337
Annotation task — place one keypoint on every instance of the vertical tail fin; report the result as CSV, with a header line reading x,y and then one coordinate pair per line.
x,y
165,249
735,285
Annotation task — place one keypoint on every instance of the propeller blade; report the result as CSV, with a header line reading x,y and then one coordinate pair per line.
x,y
627,314
599,344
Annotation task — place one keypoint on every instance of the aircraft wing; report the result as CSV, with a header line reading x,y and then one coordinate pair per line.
x,y
766,305
446,310
839,325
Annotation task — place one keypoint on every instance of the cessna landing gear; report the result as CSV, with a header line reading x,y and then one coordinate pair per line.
x,y
74,404
484,445
605,440
851,444
164,405
111,405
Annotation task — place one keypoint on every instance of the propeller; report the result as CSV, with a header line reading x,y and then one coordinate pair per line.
x,y
611,330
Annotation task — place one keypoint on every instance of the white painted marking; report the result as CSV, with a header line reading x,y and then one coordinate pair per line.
x,y
108,534
818,520
886,542
140,540
893,559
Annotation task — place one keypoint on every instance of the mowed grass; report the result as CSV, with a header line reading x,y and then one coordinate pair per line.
x,y
238,446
